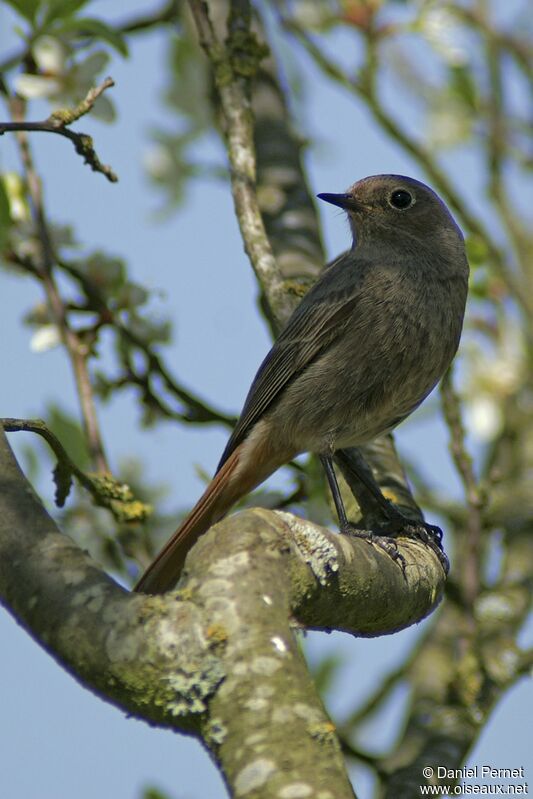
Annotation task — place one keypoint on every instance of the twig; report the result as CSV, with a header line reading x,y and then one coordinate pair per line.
x,y
374,701
474,494
167,14
519,48
496,152
365,87
197,412
76,349
359,754
232,80
106,491
58,121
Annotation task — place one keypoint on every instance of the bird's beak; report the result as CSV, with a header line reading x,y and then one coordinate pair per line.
x,y
346,201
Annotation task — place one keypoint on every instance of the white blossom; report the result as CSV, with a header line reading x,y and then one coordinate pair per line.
x,y
45,338
441,30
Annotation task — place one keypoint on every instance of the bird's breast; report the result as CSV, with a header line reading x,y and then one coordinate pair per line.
x,y
381,366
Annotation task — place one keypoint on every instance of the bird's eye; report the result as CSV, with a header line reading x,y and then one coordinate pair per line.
x,y
401,199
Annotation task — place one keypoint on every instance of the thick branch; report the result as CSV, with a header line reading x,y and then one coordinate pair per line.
x,y
233,87
287,206
222,643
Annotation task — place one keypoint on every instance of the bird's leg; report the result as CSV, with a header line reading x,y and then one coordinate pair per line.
x,y
327,463
386,543
394,521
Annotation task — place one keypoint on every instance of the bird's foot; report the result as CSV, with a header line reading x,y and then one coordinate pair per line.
x,y
431,536
385,542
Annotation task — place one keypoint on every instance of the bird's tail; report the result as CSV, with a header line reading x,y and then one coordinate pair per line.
x,y
217,499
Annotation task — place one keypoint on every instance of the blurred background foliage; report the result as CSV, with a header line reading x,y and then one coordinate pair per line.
x,y
440,79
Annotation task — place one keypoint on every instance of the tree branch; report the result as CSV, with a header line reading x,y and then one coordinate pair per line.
x,y
496,146
76,349
232,80
223,642
58,121
167,15
106,491
454,694
471,564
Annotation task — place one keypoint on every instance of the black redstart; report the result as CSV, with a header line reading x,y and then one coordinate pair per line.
x,y
366,345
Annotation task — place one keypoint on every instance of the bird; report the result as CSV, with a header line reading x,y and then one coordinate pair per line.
x,y
365,346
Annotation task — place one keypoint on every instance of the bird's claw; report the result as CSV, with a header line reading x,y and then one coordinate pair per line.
x,y
429,534
385,542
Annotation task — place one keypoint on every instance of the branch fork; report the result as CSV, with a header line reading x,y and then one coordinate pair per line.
x,y
58,122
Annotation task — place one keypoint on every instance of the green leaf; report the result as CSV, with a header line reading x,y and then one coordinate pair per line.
x,y
32,462
59,9
69,433
154,793
190,80
63,481
26,8
476,250
463,85
95,28
131,295
106,272
5,216
325,673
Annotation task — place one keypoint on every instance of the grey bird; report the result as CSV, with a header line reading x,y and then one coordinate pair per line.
x,y
363,349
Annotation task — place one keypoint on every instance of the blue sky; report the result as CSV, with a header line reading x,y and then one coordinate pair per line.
x,y
57,740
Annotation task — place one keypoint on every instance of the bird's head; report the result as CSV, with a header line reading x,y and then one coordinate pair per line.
x,y
392,207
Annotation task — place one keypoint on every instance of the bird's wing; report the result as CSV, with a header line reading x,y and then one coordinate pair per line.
x,y
319,319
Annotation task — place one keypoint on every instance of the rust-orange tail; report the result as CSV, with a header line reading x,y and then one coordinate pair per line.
x,y
219,496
